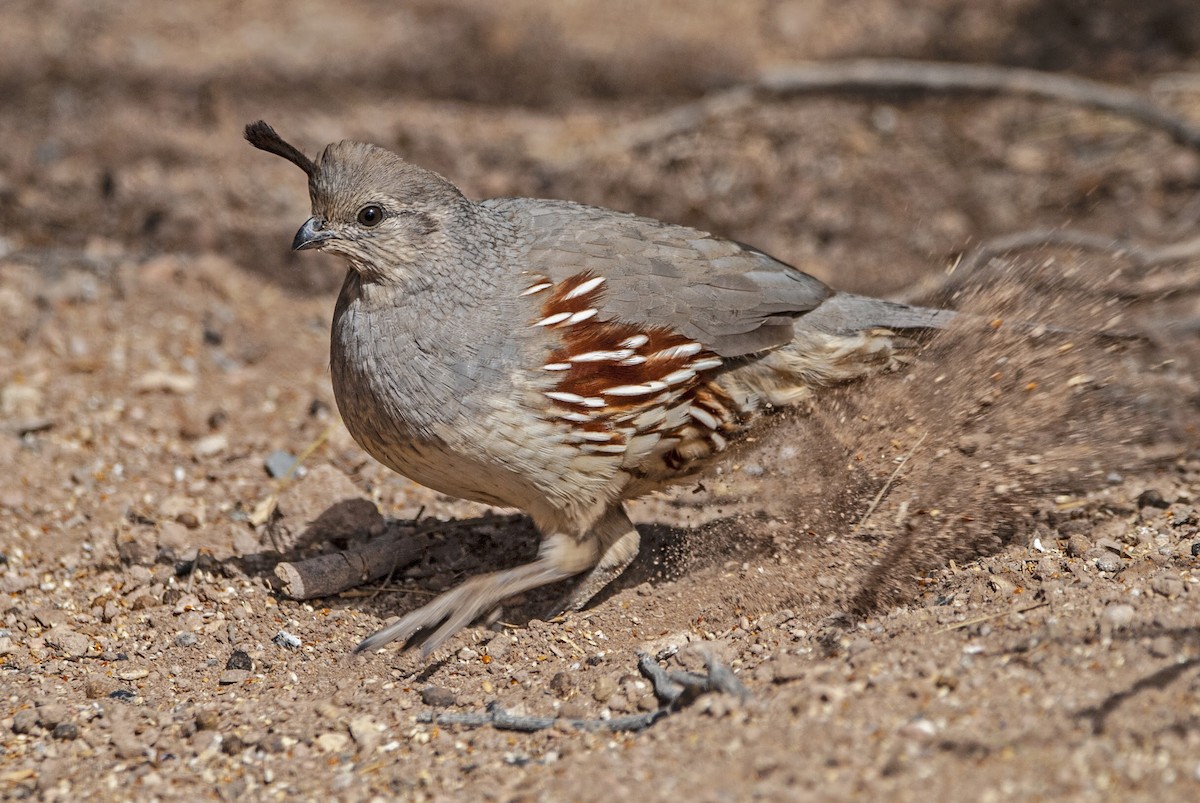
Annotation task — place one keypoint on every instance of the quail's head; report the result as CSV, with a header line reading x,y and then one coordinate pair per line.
x,y
368,205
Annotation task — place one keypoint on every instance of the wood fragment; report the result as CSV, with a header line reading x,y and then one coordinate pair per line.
x,y
981,619
325,575
882,491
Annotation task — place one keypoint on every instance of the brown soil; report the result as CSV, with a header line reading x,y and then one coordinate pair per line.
x,y
1014,616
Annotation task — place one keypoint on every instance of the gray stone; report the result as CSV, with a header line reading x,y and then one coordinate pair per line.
x,y
322,506
438,696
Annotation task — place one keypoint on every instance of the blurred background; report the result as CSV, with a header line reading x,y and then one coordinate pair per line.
x,y
121,120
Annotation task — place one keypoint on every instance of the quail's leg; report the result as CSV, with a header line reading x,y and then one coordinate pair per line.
x,y
460,606
600,555
619,541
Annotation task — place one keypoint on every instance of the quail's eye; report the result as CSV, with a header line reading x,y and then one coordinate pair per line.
x,y
370,215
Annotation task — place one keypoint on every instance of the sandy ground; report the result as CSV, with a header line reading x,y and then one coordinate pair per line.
x,y
976,578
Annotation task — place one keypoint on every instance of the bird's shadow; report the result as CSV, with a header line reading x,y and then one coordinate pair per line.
x,y
460,549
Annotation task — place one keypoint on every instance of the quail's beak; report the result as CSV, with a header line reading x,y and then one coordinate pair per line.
x,y
311,235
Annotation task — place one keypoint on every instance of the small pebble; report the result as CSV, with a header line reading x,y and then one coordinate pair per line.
x,y
1162,647
572,711
789,668
232,744
210,445
127,746
1152,498
437,696
858,646
188,512
1078,546
1168,584
52,714
185,639
604,688
165,381
25,721
499,646
332,742
365,732
919,730
275,743
287,640
207,720
279,463
618,702
68,642
561,685
231,677
239,659
1117,616
66,731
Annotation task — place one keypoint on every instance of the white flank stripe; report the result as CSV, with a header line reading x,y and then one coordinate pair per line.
x,y
636,359
636,342
607,448
718,441
602,356
682,375
585,288
574,398
684,350
704,365
651,418
537,288
653,386
557,317
582,315
578,418
703,416
599,437
566,398
556,366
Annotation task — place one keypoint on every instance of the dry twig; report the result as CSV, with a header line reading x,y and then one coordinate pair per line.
x,y
902,75
674,690
324,575
882,491
989,617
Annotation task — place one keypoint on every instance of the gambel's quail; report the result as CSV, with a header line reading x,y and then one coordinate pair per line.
x,y
559,358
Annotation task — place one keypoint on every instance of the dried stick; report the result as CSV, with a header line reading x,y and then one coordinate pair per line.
x,y
674,690
324,575
902,75
879,496
989,617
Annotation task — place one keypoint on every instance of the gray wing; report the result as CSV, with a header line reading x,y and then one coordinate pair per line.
x,y
733,299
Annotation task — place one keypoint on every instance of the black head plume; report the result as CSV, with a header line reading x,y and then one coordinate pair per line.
x,y
263,137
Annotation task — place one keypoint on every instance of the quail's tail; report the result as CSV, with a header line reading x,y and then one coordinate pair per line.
x,y
846,313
